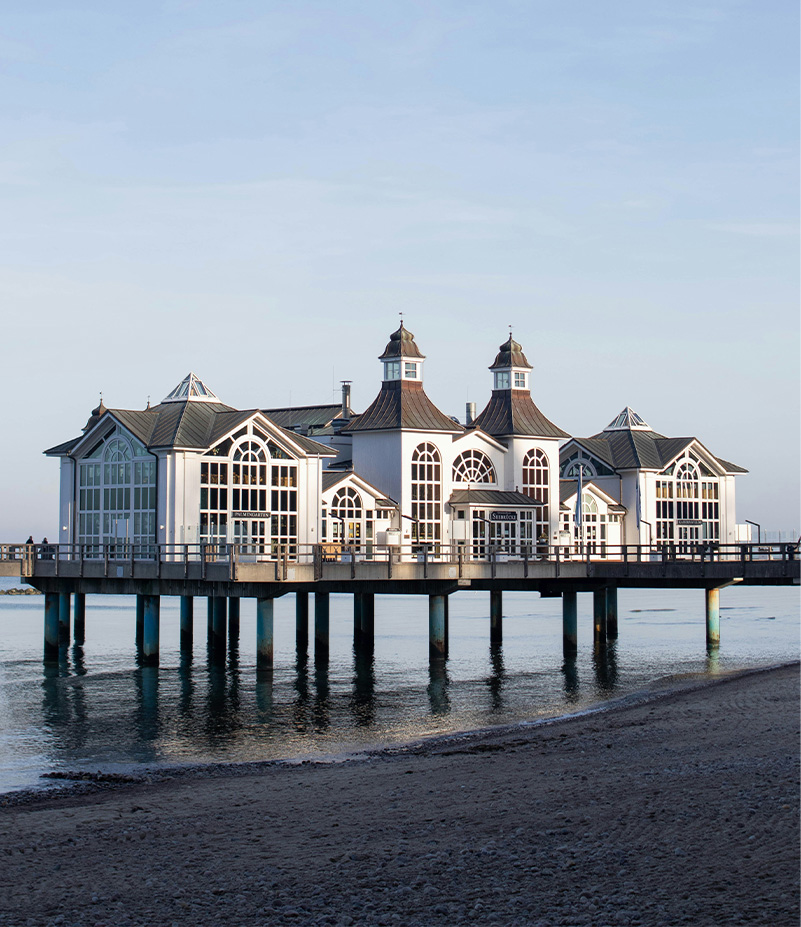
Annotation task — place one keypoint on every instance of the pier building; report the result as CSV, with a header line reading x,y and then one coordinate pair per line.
x,y
195,470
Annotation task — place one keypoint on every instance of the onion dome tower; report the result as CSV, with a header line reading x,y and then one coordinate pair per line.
x,y
511,410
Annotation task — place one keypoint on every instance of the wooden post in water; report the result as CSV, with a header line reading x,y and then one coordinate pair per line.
x,y
64,618
496,616
321,623
357,618
51,626
79,617
150,639
569,623
599,617
302,620
611,613
187,621
436,627
712,618
264,633
210,618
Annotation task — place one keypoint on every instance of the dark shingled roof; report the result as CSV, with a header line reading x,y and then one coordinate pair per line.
x,y
332,477
512,412
187,424
402,404
317,419
401,344
491,497
646,450
510,355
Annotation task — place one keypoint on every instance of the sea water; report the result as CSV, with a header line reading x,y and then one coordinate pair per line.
x,y
97,710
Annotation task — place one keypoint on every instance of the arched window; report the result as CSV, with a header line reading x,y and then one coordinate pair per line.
x,y
346,515
426,495
687,491
249,477
536,484
573,468
473,467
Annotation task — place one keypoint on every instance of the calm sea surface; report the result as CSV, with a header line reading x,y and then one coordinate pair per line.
x,y
97,710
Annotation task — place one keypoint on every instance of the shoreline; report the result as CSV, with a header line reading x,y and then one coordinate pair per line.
x,y
85,782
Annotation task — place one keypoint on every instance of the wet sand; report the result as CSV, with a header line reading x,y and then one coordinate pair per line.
x,y
679,807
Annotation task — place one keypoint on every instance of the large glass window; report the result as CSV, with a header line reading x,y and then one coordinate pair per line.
x,y
426,497
473,467
536,485
501,379
117,496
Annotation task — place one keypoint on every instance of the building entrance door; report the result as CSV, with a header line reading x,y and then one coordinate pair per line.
x,y
689,535
504,536
250,534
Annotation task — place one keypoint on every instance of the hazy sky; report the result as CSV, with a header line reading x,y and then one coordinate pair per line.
x,y
254,190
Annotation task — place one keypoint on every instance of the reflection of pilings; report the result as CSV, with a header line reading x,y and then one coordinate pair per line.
x,y
496,616
436,626
322,703
569,623
187,621
438,683
51,606
64,618
79,617
604,659
233,618
321,625
301,620
497,676
140,621
148,684
611,613
363,699
599,617
264,691
571,678
150,639
264,632
712,618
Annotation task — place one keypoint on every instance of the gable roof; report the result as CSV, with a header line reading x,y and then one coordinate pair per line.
x,y
317,419
627,449
512,412
569,488
402,404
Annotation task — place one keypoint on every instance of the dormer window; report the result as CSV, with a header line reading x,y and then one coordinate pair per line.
x,y
520,380
393,370
501,379
409,371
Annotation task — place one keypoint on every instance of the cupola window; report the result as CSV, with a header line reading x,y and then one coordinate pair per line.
x,y
521,380
501,379
409,371
393,370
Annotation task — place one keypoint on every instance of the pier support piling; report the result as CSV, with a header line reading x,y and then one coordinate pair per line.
x,y
599,617
140,621
218,631
368,617
611,613
302,620
436,626
64,618
210,618
150,639
79,617
357,618
712,618
233,619
264,632
496,616
187,621
321,622
51,625
569,623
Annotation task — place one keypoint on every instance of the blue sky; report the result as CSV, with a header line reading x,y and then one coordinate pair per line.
x,y
254,191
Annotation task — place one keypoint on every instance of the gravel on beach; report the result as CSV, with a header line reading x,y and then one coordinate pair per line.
x,y
681,807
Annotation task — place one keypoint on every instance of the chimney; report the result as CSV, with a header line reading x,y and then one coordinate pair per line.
x,y
346,398
469,413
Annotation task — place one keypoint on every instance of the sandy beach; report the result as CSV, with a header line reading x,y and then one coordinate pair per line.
x,y
678,807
